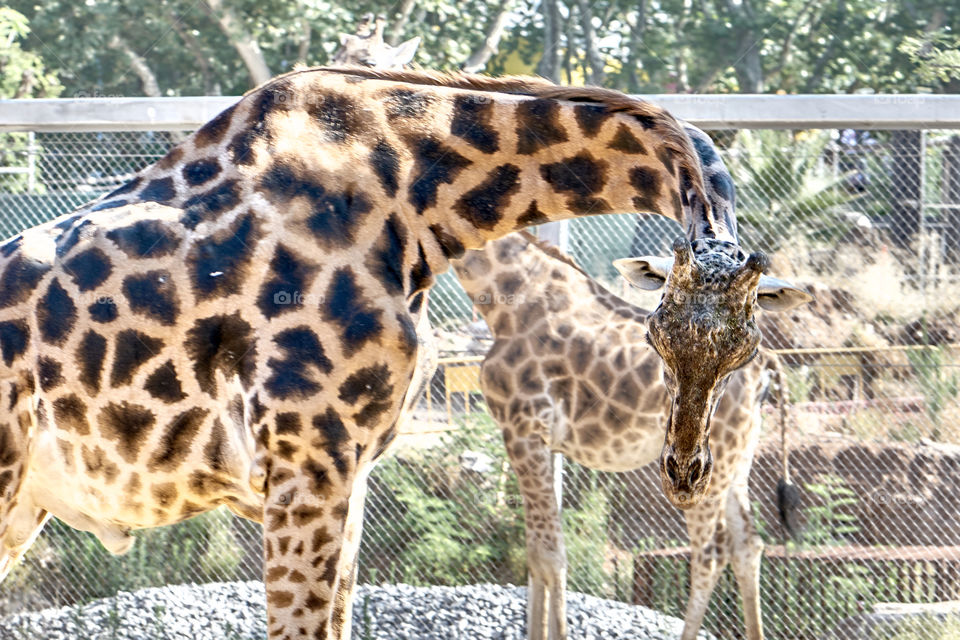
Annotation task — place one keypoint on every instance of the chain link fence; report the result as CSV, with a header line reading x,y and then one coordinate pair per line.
x,y
868,220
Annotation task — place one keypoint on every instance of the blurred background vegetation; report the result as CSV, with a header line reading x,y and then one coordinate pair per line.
x,y
188,47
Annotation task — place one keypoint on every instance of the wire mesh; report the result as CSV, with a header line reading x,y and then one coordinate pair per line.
x,y
866,219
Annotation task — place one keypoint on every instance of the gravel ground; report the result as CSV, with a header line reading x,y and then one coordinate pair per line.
x,y
235,611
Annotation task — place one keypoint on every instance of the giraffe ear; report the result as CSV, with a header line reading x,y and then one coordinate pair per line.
x,y
405,51
648,272
774,294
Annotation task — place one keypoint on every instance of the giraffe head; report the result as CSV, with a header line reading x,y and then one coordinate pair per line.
x,y
367,48
703,330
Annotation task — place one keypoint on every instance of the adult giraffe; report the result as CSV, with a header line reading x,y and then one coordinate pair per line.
x,y
236,325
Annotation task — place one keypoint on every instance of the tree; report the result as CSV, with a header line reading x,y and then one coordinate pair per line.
x,y
240,39
176,47
22,75
549,65
22,72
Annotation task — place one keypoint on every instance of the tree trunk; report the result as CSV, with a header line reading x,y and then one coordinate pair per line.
x,y
245,44
595,61
399,22
210,86
549,65
905,185
148,80
491,42
749,68
636,41
27,81
819,67
303,49
681,49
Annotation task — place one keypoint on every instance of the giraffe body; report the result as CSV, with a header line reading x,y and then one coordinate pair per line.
x,y
570,372
237,324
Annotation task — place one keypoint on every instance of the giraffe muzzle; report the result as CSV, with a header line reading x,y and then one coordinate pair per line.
x,y
685,478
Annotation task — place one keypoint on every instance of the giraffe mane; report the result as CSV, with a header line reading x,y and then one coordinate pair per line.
x,y
551,251
654,117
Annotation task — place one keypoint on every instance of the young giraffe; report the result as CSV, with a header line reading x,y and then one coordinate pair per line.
x,y
367,48
236,325
570,371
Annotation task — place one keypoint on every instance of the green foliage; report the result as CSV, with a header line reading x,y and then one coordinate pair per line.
x,y
937,55
928,627
800,382
792,46
202,549
22,72
930,365
827,524
22,75
585,531
782,192
430,522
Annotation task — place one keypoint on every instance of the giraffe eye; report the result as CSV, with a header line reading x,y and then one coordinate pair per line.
x,y
668,378
652,346
753,356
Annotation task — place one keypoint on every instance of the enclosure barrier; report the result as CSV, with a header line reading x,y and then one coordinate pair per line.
x,y
857,197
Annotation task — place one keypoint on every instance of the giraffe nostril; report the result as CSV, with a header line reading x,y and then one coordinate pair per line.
x,y
694,474
672,470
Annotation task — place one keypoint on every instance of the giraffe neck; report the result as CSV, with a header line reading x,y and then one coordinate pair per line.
x,y
448,162
518,276
711,221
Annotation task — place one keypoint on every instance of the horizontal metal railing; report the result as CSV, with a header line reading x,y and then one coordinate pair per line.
x,y
762,111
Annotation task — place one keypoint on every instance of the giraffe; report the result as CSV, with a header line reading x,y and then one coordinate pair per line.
x,y
371,51
733,427
570,372
367,47
236,325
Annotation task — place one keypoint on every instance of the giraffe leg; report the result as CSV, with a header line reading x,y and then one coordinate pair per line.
x,y
10,556
747,550
306,509
343,604
709,554
20,519
546,556
536,606
558,604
